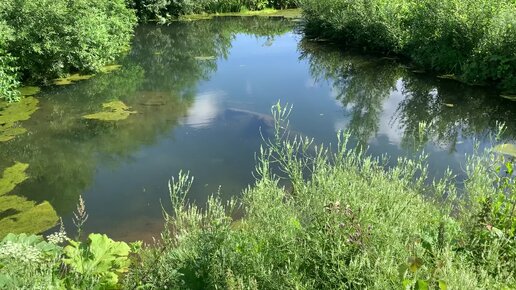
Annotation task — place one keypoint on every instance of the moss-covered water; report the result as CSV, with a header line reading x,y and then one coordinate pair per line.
x,y
194,95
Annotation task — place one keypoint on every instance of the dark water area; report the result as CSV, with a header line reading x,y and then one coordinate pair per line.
x,y
202,91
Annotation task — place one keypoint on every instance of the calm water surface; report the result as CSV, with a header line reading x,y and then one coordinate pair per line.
x,y
203,90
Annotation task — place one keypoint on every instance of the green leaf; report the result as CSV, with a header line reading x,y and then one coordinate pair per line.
x,y
422,285
442,285
506,149
100,258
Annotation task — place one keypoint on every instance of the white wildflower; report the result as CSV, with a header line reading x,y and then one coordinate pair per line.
x,y
21,252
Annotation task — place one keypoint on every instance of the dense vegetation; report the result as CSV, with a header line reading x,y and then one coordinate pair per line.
x,y
163,11
474,40
46,39
344,222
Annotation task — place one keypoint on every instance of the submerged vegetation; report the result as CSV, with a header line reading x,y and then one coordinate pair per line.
x,y
345,222
19,215
473,40
13,113
113,111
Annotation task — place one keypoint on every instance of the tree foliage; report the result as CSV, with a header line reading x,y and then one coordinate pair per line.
x,y
45,39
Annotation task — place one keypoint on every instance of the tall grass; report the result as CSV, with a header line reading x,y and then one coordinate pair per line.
x,y
345,222
473,39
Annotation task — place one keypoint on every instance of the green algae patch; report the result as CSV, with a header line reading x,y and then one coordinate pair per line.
x,y
17,214
110,68
506,149
113,111
12,113
13,176
509,97
71,79
284,13
29,91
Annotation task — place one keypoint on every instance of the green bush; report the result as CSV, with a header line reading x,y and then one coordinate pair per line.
x,y
165,10
8,77
472,39
344,222
50,38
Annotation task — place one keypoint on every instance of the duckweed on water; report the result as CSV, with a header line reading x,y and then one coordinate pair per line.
x,y
509,97
17,214
110,68
12,113
71,79
113,111
78,77
29,91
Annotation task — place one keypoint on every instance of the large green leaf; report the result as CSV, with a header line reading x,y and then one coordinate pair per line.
x,y
101,258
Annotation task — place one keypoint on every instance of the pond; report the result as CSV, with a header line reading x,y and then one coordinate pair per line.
x,y
200,92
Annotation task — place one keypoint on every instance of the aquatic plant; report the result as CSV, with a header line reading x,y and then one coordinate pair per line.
x,y
113,111
13,113
20,215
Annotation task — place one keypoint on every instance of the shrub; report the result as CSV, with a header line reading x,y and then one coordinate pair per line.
x,y
344,222
166,10
8,78
49,38
472,39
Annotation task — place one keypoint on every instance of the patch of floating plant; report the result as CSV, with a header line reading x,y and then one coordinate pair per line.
x,y
17,214
209,57
12,113
29,91
110,68
113,111
71,79
449,77
508,97
506,149
78,77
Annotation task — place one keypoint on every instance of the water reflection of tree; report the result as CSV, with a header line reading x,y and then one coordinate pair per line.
x,y
450,110
159,79
359,84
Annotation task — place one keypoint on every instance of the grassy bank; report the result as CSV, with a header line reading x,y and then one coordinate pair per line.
x,y
473,40
345,222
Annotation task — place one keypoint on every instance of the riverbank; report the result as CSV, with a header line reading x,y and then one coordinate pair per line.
x,y
285,13
472,41
351,223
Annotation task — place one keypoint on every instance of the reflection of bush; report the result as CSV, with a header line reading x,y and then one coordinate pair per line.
x,y
359,83
448,109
